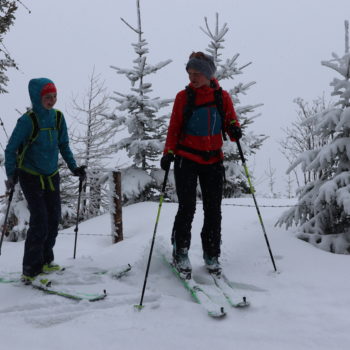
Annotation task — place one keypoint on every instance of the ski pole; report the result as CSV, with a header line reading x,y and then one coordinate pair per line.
x,y
256,204
77,223
4,228
154,237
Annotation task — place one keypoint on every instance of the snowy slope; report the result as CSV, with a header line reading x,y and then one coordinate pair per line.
x,y
304,306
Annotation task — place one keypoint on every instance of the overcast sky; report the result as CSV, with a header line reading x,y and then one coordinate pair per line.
x,y
285,40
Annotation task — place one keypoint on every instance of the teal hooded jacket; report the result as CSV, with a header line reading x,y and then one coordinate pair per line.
x,y
42,155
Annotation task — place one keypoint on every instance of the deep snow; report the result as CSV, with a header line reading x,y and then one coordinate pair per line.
x,y
303,306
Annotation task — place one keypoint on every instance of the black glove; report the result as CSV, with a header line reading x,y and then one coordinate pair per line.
x,y
166,161
234,131
80,171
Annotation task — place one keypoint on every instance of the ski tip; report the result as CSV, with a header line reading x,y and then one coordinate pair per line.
x,y
138,307
243,303
218,314
99,297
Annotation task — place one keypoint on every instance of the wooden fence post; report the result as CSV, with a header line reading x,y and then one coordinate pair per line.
x,y
117,221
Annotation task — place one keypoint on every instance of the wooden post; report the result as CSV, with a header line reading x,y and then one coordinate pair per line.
x,y
117,221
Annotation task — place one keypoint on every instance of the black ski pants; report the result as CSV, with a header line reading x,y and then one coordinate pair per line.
x,y
187,173
45,212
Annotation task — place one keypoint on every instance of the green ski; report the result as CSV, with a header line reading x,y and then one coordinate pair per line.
x,y
223,285
198,293
70,295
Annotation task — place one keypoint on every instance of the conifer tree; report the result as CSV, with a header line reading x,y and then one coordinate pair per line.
x,y
323,211
228,69
140,114
7,17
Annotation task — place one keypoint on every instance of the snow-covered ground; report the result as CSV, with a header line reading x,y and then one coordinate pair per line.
x,y
303,306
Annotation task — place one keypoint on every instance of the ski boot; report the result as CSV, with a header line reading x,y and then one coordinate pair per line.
x,y
34,280
27,280
51,267
182,263
212,264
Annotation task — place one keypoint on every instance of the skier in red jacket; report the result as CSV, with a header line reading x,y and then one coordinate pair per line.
x,y
202,114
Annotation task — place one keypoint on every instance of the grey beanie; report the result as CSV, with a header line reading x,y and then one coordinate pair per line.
x,y
205,66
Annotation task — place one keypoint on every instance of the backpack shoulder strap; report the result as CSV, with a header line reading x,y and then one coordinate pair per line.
x,y
189,107
35,132
59,116
35,129
190,104
220,106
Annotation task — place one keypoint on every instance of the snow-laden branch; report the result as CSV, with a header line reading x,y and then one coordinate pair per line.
x,y
339,64
141,71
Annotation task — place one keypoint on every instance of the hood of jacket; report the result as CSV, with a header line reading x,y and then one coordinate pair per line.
x,y
34,87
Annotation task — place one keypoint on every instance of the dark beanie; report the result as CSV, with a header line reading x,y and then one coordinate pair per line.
x,y
204,65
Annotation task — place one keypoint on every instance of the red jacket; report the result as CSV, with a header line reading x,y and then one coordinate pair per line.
x,y
203,130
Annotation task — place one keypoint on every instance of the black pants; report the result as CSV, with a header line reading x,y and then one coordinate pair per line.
x,y
210,177
45,212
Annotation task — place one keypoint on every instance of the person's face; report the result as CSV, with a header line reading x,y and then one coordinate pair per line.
x,y
197,79
49,100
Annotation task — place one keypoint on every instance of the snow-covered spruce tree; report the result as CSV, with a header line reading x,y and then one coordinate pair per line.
x,y
236,182
7,17
139,113
92,141
301,136
323,210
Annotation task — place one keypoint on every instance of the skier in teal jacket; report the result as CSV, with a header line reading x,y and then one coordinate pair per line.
x,y
31,156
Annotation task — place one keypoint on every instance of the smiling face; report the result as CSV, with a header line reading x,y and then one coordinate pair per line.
x,y
49,100
197,78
